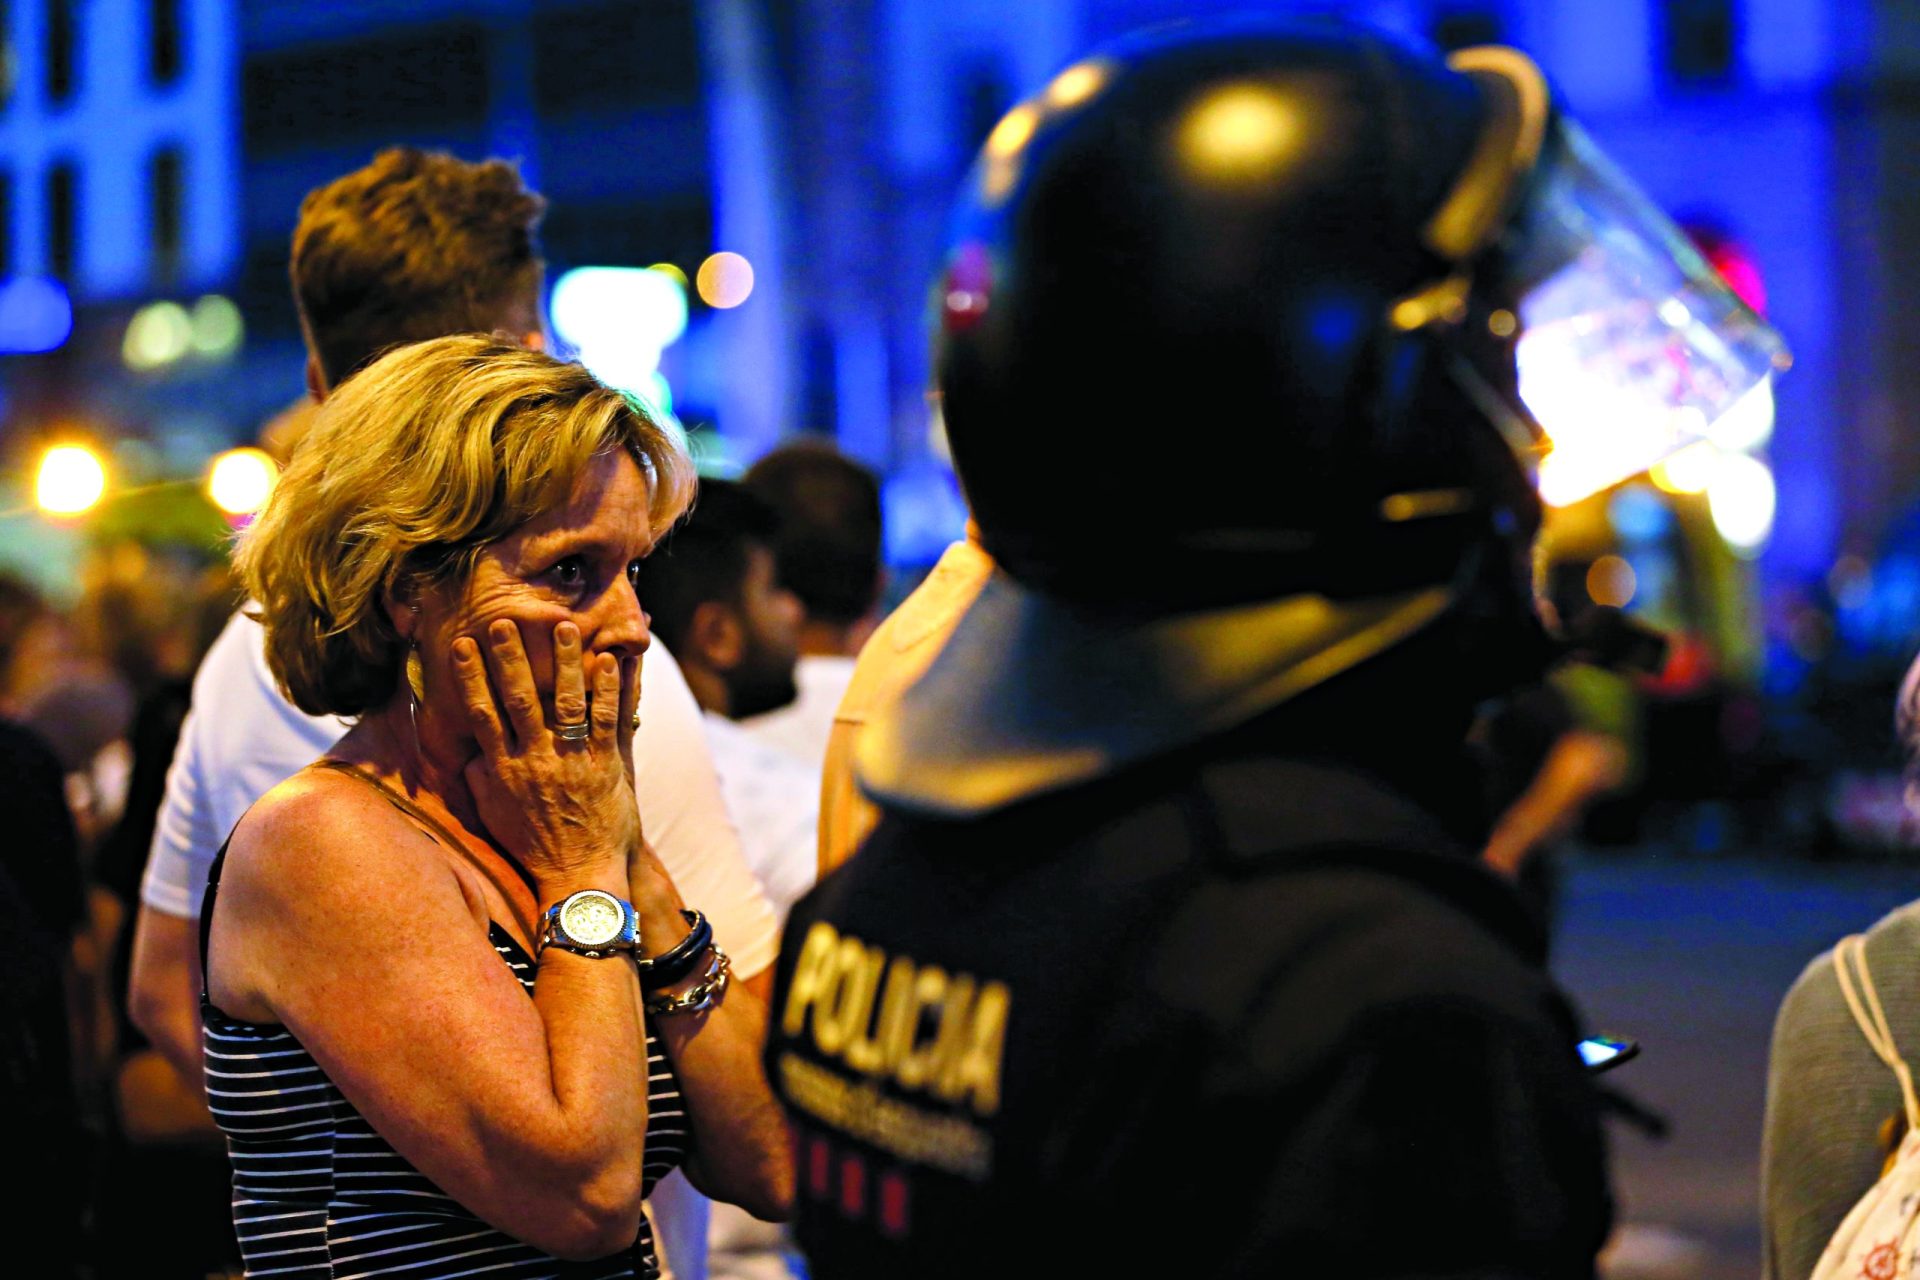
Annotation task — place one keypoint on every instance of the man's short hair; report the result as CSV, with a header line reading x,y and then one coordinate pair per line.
x,y
829,545
416,245
705,558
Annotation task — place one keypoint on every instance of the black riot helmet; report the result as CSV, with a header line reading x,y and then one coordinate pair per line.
x,y
1254,341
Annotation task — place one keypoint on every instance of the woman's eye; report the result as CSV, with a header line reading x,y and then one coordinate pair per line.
x,y
633,572
570,572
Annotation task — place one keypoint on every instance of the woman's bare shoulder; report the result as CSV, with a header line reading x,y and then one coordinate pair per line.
x,y
323,834
320,867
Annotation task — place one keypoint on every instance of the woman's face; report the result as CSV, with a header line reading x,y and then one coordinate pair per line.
x,y
575,564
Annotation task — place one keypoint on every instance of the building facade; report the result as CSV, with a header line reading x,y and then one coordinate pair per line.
x,y
154,149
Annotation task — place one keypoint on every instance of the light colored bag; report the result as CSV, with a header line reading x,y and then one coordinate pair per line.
x,y
1880,1238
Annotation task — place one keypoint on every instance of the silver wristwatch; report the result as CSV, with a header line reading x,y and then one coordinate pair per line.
x,y
592,923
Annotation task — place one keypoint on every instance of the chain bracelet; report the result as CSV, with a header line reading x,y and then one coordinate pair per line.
x,y
699,998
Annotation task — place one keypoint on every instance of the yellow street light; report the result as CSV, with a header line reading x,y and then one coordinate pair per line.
x,y
240,481
70,480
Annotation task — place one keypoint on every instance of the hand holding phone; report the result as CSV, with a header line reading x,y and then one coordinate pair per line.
x,y
1603,1053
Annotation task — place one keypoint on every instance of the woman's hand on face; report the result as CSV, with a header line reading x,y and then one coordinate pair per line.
x,y
562,807
629,710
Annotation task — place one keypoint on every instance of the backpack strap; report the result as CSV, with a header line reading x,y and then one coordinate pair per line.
x,y
1850,966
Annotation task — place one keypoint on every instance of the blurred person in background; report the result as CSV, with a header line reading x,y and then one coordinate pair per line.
x,y
32,641
899,652
40,1105
1545,770
165,1160
46,945
1175,900
713,596
60,681
828,553
1835,1114
457,1014
412,246
43,1002
711,591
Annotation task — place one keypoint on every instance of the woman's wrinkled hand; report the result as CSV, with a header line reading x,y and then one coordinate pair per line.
x,y
629,710
561,807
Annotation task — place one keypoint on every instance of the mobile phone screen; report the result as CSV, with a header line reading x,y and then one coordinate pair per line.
x,y
1603,1052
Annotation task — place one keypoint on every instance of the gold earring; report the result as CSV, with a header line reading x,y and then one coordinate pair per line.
x,y
416,681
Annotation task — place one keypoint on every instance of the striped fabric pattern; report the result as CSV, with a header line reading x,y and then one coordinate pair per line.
x,y
317,1193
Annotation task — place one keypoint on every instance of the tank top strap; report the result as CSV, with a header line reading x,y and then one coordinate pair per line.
x,y
398,800
206,912
432,825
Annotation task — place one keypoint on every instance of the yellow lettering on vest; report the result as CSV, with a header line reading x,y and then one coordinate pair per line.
x,y
841,1002
977,1072
951,1041
893,1035
808,974
863,1049
916,1063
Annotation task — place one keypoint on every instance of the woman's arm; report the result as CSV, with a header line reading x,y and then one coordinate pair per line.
x,y
342,921
740,1150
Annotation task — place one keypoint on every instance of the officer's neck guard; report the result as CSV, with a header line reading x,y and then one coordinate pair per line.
x,y
1033,694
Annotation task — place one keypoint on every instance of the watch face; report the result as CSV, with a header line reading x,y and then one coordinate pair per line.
x,y
592,918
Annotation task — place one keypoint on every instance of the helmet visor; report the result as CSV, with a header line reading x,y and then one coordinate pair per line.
x,y
1631,346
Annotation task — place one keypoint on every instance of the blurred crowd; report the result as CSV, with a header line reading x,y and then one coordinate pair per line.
x,y
94,695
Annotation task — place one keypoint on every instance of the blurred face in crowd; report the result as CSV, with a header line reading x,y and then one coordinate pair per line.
x,y
761,678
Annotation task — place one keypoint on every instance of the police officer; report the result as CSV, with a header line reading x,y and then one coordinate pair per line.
x,y
1170,955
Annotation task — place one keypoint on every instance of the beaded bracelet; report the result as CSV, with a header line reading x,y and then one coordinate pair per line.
x,y
697,999
679,960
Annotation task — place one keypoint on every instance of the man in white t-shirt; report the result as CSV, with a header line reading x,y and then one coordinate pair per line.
x,y
713,597
711,591
413,246
827,552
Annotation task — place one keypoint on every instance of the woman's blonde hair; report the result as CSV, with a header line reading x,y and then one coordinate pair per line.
x,y
410,469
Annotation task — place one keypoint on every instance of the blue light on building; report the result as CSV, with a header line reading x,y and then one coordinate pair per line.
x,y
35,315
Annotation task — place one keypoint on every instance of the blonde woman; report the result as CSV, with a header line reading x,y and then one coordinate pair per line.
x,y
457,1018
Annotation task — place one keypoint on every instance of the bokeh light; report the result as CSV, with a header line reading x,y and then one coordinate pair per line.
x,y
1748,425
159,334
1742,498
620,320
1689,471
1611,581
71,479
725,280
241,480
217,327
632,307
35,315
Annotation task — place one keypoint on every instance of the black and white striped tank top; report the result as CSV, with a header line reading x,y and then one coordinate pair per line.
x,y
318,1195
